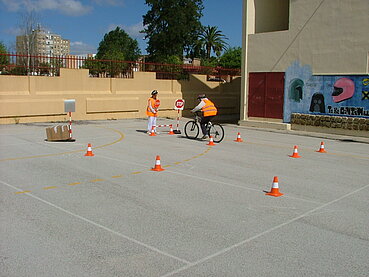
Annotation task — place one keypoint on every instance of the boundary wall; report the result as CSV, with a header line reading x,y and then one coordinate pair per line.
x,y
25,99
339,125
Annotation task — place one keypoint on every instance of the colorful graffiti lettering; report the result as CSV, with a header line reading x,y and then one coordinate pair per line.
x,y
358,111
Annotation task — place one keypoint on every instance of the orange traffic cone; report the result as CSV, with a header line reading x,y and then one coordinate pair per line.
x,y
239,139
89,151
275,188
152,134
295,153
211,141
321,149
171,130
157,165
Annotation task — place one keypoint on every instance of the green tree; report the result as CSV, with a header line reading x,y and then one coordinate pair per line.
x,y
212,39
171,27
211,62
117,46
231,58
93,66
4,60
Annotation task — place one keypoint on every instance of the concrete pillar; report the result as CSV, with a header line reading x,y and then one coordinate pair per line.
x,y
244,70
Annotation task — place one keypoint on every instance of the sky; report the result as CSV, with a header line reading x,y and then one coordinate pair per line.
x,y
85,23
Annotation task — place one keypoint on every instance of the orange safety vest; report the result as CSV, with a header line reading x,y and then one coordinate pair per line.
x,y
154,104
209,109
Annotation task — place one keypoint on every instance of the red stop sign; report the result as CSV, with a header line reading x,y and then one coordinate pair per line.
x,y
179,104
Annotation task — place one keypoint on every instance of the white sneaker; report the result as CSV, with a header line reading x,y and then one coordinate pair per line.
x,y
148,132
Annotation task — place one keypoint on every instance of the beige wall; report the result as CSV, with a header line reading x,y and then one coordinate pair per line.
x,y
270,16
41,99
330,36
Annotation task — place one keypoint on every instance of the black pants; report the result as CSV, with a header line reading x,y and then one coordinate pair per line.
x,y
204,121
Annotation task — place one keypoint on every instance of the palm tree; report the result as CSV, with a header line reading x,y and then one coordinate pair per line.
x,y
212,39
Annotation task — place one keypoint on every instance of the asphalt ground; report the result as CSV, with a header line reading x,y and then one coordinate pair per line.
x,y
64,214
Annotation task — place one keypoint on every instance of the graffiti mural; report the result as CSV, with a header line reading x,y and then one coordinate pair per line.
x,y
343,89
317,103
343,95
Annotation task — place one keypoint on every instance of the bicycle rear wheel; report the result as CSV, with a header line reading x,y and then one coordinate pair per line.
x,y
217,132
191,129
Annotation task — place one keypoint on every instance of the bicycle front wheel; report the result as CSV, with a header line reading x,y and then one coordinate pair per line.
x,y
191,129
217,132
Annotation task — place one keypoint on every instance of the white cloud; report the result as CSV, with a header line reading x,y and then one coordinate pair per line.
x,y
76,43
132,30
81,48
72,7
67,7
109,2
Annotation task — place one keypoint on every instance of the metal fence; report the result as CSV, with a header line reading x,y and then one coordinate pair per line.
x,y
18,64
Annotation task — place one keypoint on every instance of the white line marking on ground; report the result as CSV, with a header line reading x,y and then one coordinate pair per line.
x,y
277,207
209,180
100,226
262,233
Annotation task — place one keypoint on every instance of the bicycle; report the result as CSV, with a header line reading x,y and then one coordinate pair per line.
x,y
192,129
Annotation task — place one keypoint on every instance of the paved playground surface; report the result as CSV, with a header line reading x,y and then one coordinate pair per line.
x,y
64,214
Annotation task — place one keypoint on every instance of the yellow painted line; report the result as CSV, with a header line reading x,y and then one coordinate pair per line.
x,y
96,180
51,187
73,184
69,152
116,141
187,160
137,172
20,192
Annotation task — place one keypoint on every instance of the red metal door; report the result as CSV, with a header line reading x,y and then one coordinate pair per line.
x,y
266,92
274,93
256,95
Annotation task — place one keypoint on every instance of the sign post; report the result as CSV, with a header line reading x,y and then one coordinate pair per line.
x,y
69,107
179,106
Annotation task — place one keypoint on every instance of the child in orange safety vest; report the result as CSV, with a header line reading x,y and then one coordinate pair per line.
x,y
208,112
152,110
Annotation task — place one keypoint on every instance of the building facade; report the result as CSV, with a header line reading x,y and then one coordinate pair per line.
x,y
42,43
308,57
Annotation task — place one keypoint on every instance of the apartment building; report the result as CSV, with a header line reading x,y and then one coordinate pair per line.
x,y
42,43
307,57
